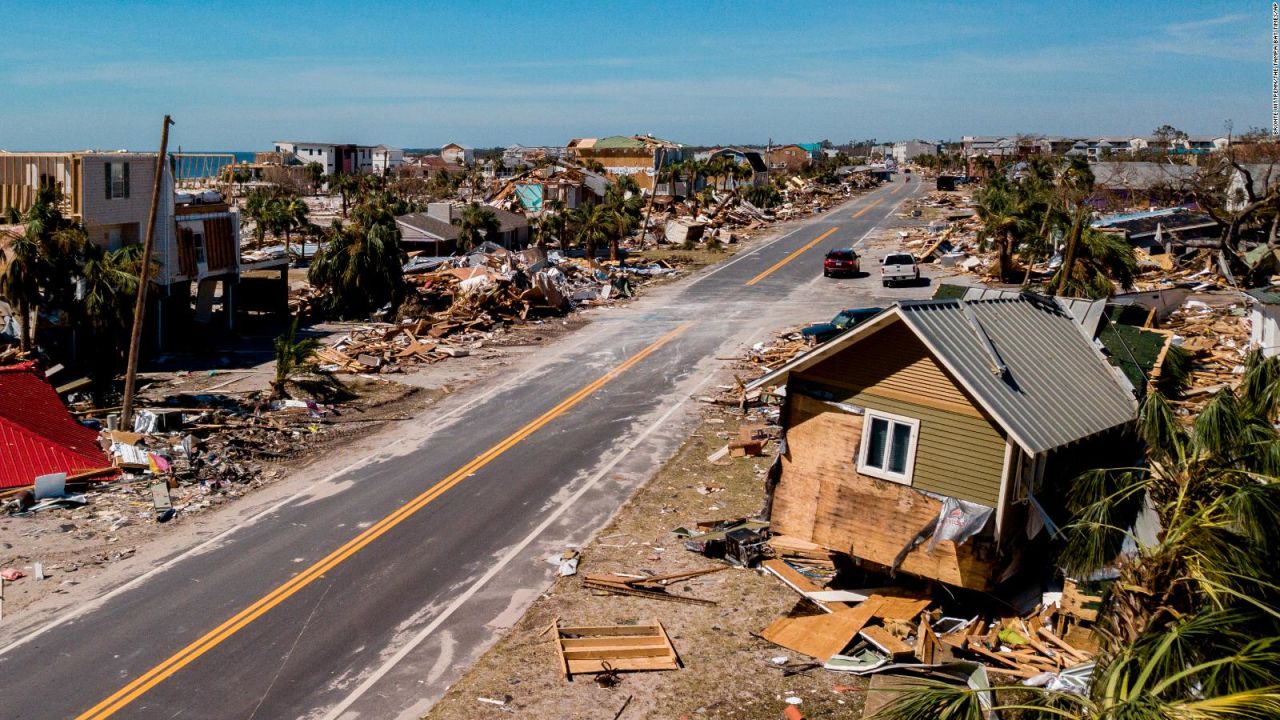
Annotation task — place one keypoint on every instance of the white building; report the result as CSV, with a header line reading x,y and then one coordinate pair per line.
x,y
387,160
905,152
335,158
458,154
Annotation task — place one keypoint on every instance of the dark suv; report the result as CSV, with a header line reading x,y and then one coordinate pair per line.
x,y
844,320
841,261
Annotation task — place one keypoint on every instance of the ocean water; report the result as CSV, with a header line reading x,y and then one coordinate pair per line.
x,y
188,167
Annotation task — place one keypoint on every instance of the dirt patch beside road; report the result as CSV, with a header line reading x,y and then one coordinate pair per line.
x,y
728,671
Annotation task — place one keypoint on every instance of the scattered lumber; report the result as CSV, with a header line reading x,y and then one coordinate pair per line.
x,y
614,648
650,587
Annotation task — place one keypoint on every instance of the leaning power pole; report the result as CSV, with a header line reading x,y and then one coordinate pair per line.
x,y
140,302
1275,69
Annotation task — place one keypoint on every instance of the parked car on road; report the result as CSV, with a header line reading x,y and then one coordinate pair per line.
x,y
819,333
841,261
898,267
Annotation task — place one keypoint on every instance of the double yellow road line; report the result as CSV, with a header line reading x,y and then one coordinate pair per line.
x,y
797,253
211,639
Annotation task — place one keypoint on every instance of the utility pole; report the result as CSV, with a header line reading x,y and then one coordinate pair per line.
x,y
140,303
1275,69
644,227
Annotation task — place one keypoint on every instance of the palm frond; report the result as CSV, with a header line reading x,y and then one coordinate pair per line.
x,y
1260,387
933,700
1255,704
1159,428
1104,504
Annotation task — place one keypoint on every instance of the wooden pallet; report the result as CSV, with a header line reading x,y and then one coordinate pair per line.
x,y
625,648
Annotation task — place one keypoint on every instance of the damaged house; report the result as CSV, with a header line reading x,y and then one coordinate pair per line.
x,y
919,440
197,238
437,230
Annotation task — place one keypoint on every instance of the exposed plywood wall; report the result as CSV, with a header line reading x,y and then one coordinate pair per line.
x,y
822,498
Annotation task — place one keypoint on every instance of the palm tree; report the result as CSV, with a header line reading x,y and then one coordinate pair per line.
x,y
359,269
476,224
257,208
1005,223
554,215
315,174
110,280
42,264
19,284
595,224
293,355
694,169
348,186
293,215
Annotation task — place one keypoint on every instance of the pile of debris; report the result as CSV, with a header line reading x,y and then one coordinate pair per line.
x,y
1215,332
203,454
460,303
864,631
385,348
682,222
950,238
785,346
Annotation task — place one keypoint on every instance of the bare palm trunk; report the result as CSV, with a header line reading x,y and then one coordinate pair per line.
x,y
1069,254
1004,257
26,332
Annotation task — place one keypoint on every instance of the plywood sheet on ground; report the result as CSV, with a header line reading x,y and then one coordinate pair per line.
x,y
821,636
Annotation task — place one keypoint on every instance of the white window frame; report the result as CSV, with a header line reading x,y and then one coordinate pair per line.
x,y
865,446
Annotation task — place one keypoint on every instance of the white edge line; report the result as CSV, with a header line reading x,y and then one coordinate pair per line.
x,y
101,600
97,602
876,226
515,551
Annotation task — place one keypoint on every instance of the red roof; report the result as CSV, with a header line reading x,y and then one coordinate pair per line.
x,y
37,434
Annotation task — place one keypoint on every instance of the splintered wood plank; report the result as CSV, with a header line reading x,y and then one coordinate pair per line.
x,y
615,652
577,667
902,608
609,630
821,636
800,583
885,640
928,648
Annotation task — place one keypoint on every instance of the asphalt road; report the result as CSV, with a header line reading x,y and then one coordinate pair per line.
x,y
368,593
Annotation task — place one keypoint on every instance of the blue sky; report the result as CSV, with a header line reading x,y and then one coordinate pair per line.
x,y
237,75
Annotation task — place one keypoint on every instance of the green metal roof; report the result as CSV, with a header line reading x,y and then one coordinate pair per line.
x,y
1266,296
618,142
626,142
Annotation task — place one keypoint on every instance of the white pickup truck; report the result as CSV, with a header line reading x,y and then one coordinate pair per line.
x,y
898,267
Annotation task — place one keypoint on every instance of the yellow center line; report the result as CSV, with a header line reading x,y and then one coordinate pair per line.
x,y
209,640
866,209
790,257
